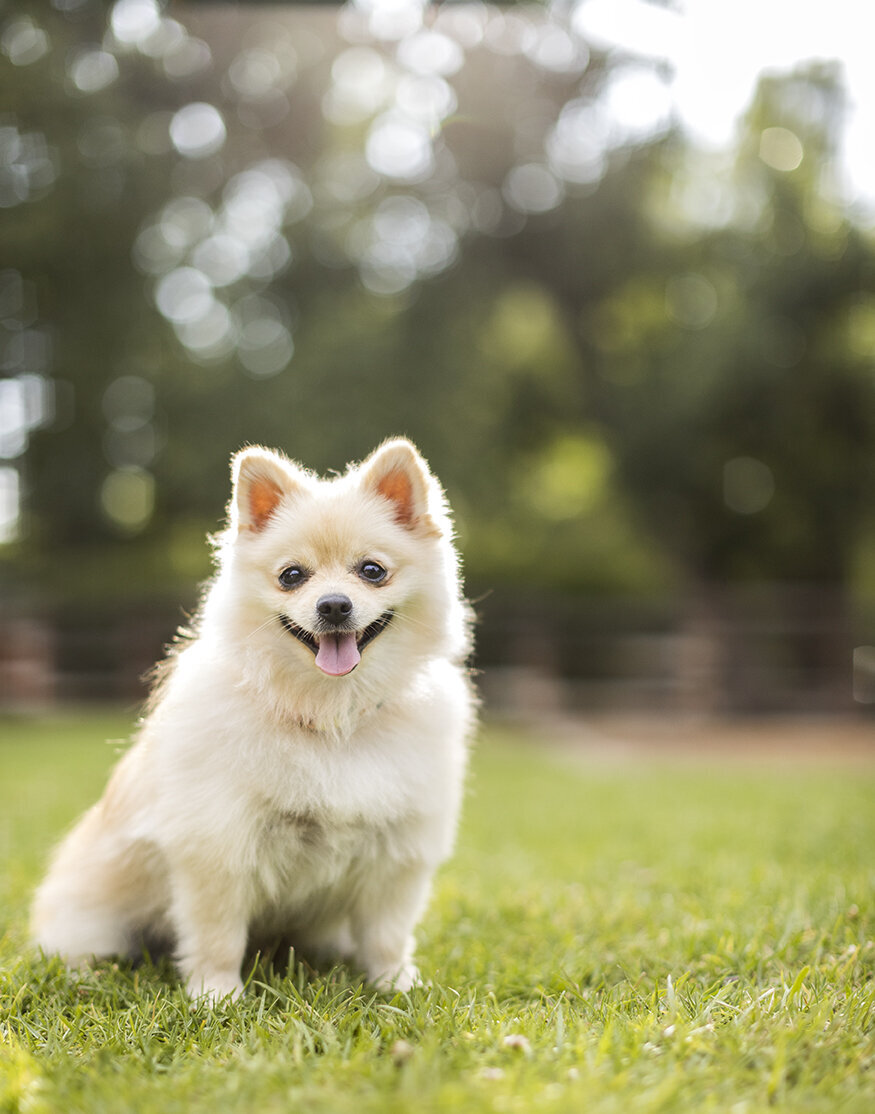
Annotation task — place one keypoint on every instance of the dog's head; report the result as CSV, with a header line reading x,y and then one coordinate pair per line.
x,y
354,571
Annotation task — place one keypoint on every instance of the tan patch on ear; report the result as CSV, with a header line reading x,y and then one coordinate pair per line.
x,y
397,488
264,495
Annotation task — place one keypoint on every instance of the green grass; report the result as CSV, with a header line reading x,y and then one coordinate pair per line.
x,y
649,937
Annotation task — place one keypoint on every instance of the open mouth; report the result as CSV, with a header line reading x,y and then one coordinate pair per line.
x,y
338,652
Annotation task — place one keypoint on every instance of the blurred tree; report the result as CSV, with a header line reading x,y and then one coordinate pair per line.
x,y
67,238
727,366
315,229
293,289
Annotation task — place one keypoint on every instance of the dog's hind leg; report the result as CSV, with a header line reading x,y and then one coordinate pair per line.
x,y
79,934
73,919
102,890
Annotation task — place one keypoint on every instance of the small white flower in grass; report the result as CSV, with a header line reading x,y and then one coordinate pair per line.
x,y
518,1042
491,1073
401,1051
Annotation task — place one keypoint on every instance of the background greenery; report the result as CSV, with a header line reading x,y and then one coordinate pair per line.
x,y
582,372
645,372
607,936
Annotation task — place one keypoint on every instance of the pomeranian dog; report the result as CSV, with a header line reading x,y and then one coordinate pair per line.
x,y
299,771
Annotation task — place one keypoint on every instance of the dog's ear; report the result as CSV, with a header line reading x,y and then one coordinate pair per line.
x,y
396,471
261,480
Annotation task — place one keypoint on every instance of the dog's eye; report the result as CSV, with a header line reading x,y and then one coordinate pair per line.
x,y
292,577
372,572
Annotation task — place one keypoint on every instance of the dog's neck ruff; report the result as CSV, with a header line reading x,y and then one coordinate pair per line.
x,y
313,727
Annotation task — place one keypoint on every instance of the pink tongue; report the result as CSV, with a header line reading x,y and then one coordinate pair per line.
x,y
338,654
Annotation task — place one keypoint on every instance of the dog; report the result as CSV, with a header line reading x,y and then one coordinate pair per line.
x,y
299,770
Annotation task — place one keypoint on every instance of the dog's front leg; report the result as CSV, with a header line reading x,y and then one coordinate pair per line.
x,y
382,921
209,915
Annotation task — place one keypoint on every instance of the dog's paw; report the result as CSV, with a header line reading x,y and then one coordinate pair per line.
x,y
215,988
402,978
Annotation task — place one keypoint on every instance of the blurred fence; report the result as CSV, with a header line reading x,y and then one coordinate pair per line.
x,y
777,650
773,649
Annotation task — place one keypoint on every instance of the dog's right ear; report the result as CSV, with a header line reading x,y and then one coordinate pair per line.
x,y
261,480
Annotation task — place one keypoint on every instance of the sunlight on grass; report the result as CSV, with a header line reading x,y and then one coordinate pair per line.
x,y
608,937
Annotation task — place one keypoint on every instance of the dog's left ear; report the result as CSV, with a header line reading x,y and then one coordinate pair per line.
x,y
398,473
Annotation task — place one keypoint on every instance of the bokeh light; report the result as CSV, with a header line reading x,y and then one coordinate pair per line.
x,y
691,300
577,144
400,148
28,165
781,149
532,188
92,69
10,504
748,485
197,130
133,21
24,42
127,498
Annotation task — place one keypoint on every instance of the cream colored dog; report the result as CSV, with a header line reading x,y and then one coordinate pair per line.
x,y
300,769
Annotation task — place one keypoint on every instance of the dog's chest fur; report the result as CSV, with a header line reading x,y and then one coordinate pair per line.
x,y
308,868
301,843
305,828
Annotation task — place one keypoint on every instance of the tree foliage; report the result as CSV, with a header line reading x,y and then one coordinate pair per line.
x,y
623,389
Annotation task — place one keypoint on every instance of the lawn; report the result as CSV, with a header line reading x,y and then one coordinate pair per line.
x,y
609,937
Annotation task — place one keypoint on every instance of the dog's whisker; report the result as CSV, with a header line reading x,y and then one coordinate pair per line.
x,y
408,620
261,626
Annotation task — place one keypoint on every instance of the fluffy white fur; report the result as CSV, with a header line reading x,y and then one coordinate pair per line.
x,y
262,797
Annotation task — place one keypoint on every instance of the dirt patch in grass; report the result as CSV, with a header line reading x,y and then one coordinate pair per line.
x,y
769,740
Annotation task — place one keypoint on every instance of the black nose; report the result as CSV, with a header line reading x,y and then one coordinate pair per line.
x,y
334,609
